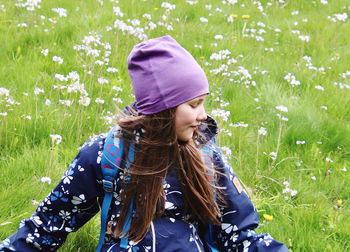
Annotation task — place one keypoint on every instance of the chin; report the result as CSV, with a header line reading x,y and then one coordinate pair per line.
x,y
185,138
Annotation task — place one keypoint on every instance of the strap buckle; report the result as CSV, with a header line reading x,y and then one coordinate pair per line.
x,y
108,186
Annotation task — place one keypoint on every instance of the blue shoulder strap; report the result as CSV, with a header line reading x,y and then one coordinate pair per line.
x,y
209,237
110,163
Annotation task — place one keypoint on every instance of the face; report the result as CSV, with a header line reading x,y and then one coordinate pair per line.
x,y
188,117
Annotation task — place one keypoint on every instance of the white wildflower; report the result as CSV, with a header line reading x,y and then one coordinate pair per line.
x,y
273,155
135,22
34,202
61,77
282,108
208,6
56,139
203,20
45,52
112,70
341,17
74,76
38,90
22,25
292,79
319,87
227,151
99,100
117,11
152,25
102,81
218,37
305,38
221,113
147,16
239,124
28,117
84,100
4,91
68,103
167,5
60,11
262,131
57,59
46,179
286,183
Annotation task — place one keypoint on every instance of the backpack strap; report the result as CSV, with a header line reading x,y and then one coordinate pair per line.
x,y
110,163
208,160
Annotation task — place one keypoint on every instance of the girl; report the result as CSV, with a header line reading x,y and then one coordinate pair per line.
x,y
178,188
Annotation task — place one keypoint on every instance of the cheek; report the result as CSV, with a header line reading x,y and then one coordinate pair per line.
x,y
184,118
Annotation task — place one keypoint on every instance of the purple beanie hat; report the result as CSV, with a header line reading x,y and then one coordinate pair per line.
x,y
164,75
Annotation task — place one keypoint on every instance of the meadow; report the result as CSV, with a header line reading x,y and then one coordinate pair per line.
x,y
279,73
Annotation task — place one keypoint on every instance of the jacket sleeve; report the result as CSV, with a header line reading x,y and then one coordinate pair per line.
x,y
68,207
239,215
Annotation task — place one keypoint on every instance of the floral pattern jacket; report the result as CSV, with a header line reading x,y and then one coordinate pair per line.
x,y
78,196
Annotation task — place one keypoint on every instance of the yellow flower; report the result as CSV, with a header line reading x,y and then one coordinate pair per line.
x,y
268,217
234,16
245,17
339,203
323,73
156,9
201,57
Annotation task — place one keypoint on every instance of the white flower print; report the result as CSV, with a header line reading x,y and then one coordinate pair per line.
x,y
67,177
65,215
169,205
36,220
234,237
78,200
228,227
246,245
81,169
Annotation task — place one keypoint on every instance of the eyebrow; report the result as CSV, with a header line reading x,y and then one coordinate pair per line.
x,y
201,98
197,100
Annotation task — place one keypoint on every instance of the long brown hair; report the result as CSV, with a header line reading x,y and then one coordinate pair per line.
x,y
155,151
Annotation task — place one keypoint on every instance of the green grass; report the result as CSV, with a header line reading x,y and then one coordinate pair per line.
x,y
310,221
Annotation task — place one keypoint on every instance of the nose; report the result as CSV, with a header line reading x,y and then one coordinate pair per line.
x,y
202,115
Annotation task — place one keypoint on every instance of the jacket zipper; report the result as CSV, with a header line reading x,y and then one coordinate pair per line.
x,y
154,237
199,248
110,249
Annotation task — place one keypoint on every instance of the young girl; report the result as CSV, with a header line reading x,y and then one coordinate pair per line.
x,y
179,188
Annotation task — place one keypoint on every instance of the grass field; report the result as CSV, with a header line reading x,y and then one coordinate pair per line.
x,y
279,73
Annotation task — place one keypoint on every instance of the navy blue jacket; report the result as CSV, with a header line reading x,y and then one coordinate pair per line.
x,y
79,195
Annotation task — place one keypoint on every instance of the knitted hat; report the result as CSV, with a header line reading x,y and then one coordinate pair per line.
x,y
164,75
